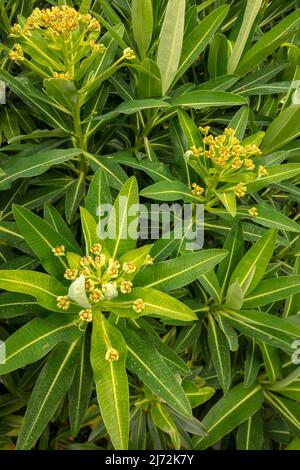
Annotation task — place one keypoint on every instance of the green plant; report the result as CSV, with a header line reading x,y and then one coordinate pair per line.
x,y
136,342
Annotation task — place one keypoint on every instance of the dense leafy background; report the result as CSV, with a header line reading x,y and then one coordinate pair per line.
x,y
229,373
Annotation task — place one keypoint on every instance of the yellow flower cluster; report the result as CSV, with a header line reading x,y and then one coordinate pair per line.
x,y
129,53
197,190
226,151
62,75
61,20
112,355
17,53
253,212
104,278
240,190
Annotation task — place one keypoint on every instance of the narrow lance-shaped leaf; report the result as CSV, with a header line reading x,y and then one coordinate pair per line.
x,y
124,220
52,384
256,258
220,353
81,388
170,42
44,288
142,24
267,328
147,363
199,38
171,274
42,238
108,358
37,164
155,303
34,340
235,407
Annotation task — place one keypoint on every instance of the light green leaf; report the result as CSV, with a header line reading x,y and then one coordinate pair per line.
x,y
18,167
276,174
265,327
250,14
268,43
124,220
44,288
52,384
42,238
142,24
283,129
171,274
233,409
34,340
195,43
272,290
147,363
220,353
81,389
156,304
208,99
258,257
111,379
170,42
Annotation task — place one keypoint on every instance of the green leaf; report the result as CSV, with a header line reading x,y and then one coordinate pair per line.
x,y
142,24
172,359
42,238
197,396
228,200
35,99
54,218
283,129
98,193
251,11
74,197
191,131
208,99
229,412
44,288
169,191
257,258
81,388
111,380
175,273
288,409
220,353
271,218
195,43
268,43
52,384
133,106
34,340
239,122
170,42
114,173
37,164
265,327
163,421
89,228
124,220
271,360
250,435
234,296
276,174
146,362
272,290
157,304
234,244
252,363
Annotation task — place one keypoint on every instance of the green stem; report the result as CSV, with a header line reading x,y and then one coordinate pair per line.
x,y
80,141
